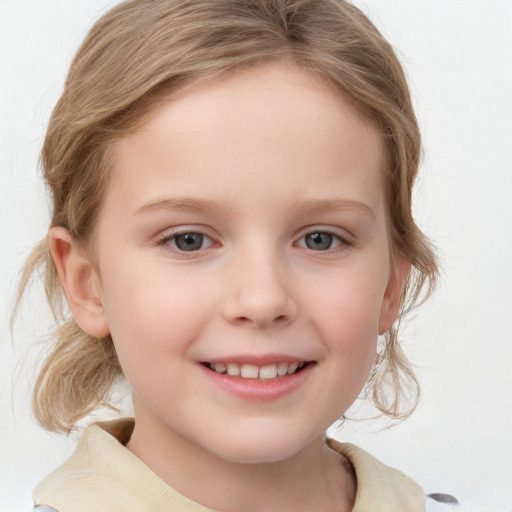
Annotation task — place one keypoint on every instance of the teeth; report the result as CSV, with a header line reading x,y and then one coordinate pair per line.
x,y
292,368
282,369
268,372
233,369
220,368
251,371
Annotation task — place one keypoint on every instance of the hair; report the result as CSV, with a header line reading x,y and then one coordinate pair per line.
x,y
133,59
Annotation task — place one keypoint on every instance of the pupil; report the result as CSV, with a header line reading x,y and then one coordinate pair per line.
x,y
189,241
319,241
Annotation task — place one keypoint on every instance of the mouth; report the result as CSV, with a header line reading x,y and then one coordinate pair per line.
x,y
251,371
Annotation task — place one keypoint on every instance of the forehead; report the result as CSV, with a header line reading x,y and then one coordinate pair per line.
x,y
264,123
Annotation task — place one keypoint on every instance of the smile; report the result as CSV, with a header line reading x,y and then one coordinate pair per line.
x,y
258,379
251,371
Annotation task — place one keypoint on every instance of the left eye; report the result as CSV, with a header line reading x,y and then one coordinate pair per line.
x,y
188,242
320,241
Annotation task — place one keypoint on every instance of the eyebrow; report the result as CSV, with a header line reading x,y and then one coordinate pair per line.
x,y
319,206
194,205
183,204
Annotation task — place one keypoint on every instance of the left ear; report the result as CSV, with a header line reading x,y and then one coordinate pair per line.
x,y
391,301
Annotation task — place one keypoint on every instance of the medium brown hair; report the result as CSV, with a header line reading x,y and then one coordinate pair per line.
x,y
133,59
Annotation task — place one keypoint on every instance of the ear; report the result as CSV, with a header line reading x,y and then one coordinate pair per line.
x,y
80,282
391,301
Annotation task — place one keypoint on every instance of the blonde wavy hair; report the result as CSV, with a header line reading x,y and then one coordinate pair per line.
x,y
135,57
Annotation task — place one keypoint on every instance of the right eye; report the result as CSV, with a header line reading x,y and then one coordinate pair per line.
x,y
187,241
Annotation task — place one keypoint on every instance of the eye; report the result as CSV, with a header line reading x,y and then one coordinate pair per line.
x,y
188,241
321,241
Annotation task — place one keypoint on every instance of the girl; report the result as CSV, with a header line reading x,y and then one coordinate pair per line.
x,y
232,231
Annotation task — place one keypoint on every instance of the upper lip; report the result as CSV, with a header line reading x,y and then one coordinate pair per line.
x,y
256,360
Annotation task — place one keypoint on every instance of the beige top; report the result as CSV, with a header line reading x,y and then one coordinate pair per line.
x,y
104,476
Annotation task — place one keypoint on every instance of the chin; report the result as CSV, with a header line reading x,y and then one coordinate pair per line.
x,y
262,445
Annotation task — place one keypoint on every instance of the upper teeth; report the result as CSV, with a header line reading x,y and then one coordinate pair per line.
x,y
251,371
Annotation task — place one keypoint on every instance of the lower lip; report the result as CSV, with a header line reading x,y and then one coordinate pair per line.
x,y
257,389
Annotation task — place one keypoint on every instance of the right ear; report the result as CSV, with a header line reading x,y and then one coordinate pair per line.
x,y
80,281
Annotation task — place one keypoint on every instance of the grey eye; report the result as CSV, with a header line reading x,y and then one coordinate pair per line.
x,y
189,241
319,241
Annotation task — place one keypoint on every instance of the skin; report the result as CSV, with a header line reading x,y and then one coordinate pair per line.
x,y
254,161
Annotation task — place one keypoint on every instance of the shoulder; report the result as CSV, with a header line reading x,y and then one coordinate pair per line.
x,y
102,475
88,472
381,487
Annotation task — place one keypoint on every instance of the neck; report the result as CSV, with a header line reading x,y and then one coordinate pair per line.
x,y
313,479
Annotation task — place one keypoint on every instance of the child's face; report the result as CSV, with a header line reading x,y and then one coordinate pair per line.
x,y
246,224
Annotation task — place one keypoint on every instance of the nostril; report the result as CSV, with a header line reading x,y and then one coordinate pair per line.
x,y
243,320
245,308
260,322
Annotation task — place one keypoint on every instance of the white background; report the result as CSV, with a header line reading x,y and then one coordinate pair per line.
x,y
458,55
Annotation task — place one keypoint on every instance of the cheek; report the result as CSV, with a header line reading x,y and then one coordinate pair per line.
x,y
349,304
346,312
151,323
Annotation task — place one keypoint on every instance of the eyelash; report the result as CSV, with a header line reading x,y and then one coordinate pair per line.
x,y
342,241
169,238
336,238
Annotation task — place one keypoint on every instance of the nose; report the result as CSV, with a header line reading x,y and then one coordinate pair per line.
x,y
259,291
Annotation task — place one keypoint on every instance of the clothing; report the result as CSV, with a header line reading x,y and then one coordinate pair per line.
x,y
103,475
